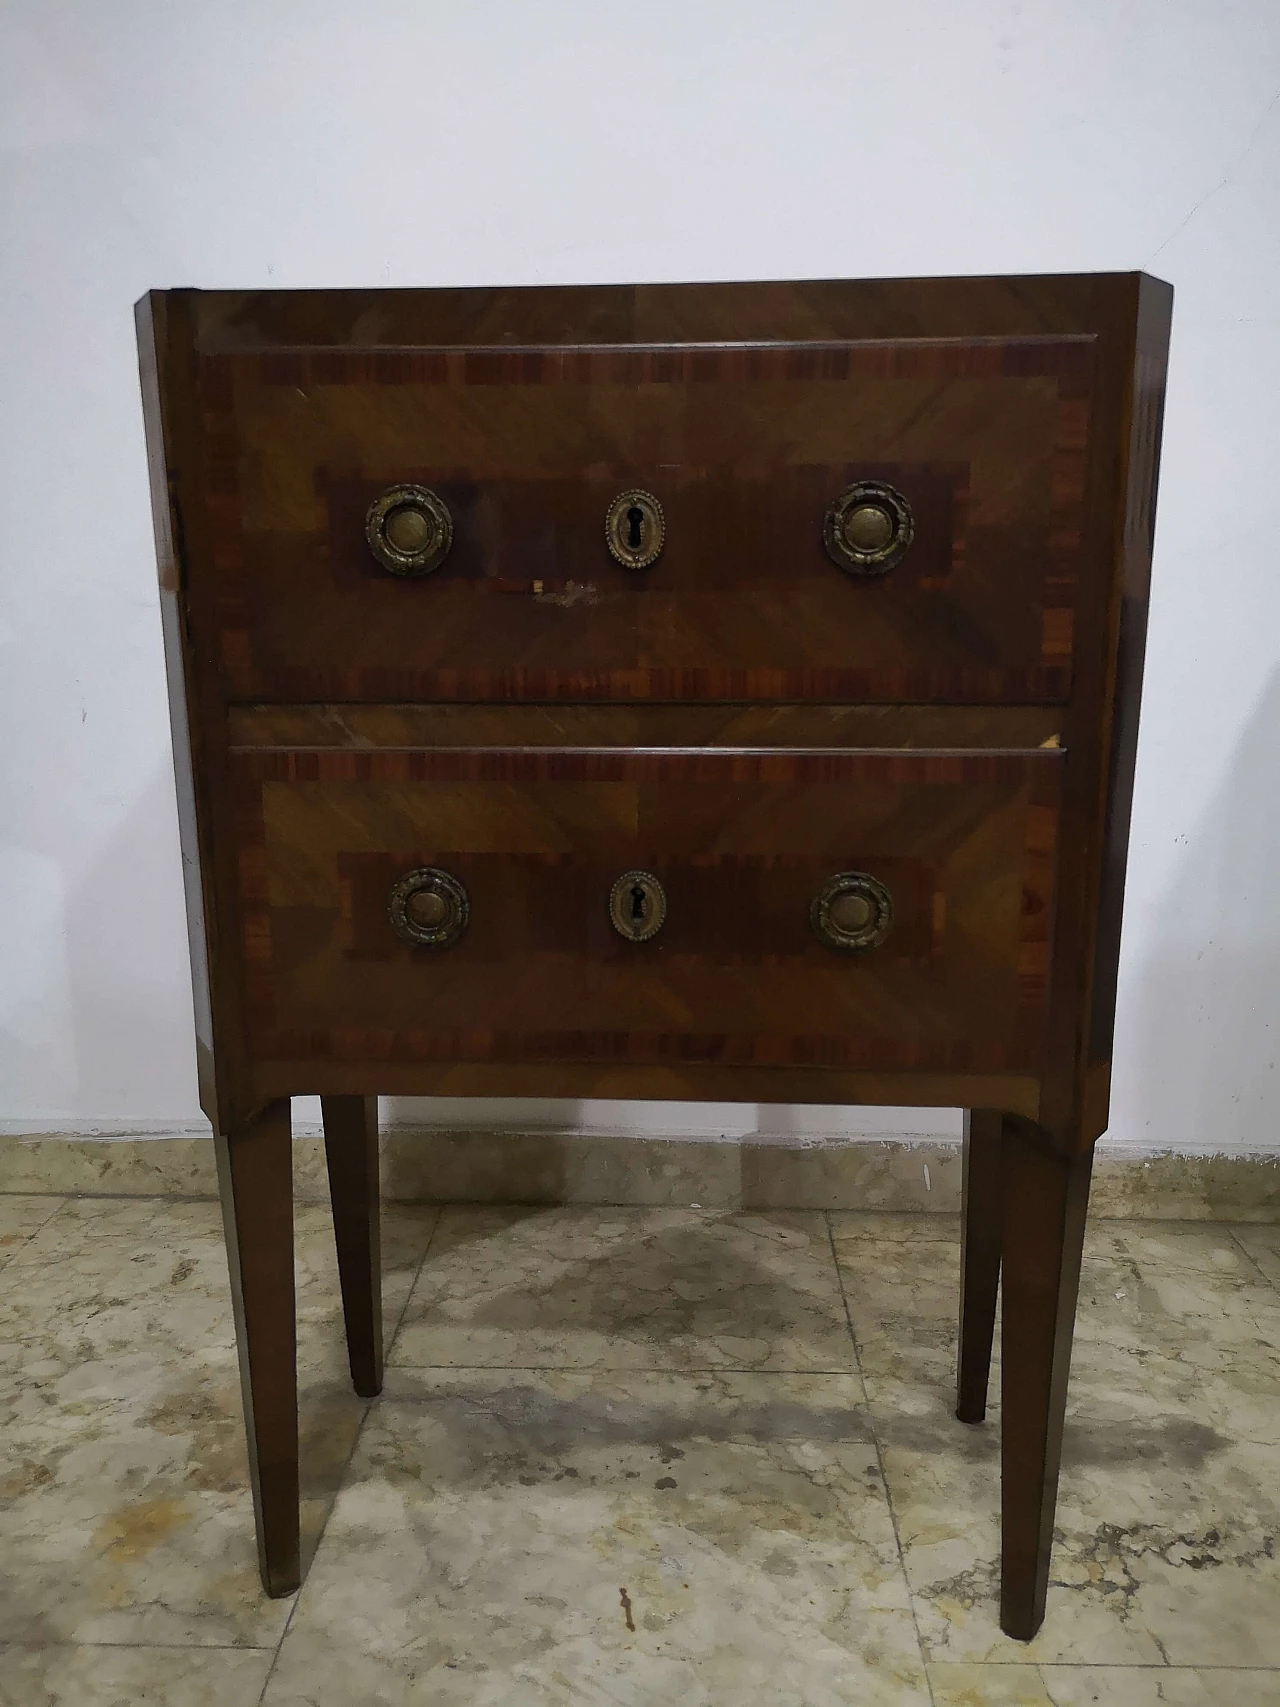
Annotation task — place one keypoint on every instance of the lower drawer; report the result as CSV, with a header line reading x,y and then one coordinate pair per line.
x,y
945,862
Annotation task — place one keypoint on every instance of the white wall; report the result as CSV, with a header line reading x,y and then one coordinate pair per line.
x,y
242,143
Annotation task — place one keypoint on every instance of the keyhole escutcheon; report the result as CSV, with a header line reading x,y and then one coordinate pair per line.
x,y
634,529
637,905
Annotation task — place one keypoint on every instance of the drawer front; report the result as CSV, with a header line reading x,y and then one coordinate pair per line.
x,y
740,844
745,448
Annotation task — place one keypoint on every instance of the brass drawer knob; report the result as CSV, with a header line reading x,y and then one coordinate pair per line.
x,y
637,905
635,529
852,910
868,528
409,530
428,908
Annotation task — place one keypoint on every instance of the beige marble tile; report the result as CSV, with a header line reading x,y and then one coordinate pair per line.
x,y
851,1226
179,1166
901,1278
1158,1686
902,1284
960,1685
1202,1188
21,1217
902,1289
111,1279
1183,1343
862,1175
1169,1505
134,1167
131,1677
1202,1247
560,1167
125,1513
1100,1686
583,1167
893,1227
520,1537
1262,1246
627,1289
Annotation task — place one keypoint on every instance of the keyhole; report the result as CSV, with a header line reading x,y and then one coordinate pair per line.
x,y
635,528
639,900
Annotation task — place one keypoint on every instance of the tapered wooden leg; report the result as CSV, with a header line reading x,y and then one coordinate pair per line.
x,y
351,1149
255,1177
981,1214
1046,1197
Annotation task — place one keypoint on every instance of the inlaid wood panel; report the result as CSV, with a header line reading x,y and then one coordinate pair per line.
x,y
741,842
745,446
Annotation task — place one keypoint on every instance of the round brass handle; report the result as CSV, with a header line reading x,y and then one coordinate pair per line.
x,y
635,529
868,528
428,908
637,905
409,530
852,910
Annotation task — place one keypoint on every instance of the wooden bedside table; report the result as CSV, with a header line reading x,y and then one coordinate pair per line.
x,y
687,691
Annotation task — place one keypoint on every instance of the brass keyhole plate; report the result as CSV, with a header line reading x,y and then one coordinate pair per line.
x,y
852,910
428,908
635,529
637,906
409,530
869,528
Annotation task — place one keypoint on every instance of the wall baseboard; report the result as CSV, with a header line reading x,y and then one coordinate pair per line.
x,y
584,1168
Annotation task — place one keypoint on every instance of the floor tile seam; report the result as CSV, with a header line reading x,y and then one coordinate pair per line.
x,y
1143,1665
413,1287
197,1197
884,1480
625,1369
341,1481
18,1249
1156,1666
1252,1261
1089,1260
137,1647
896,1287
128,1196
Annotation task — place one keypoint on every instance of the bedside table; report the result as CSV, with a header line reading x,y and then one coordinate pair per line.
x,y
687,691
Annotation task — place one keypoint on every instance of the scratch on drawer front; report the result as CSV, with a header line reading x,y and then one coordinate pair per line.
x,y
571,594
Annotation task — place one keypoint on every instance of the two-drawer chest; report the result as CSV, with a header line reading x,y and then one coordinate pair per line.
x,y
689,691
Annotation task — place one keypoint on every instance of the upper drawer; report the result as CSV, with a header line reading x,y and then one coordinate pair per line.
x,y
745,447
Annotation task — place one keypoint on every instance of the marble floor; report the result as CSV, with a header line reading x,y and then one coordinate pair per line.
x,y
627,1456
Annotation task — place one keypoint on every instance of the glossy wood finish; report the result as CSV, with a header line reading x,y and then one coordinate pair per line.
x,y
351,1153
255,1178
742,843
1046,1196
745,448
742,717
981,1237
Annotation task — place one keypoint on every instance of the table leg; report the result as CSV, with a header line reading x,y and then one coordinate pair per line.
x,y
1046,1196
255,1178
351,1150
980,1231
